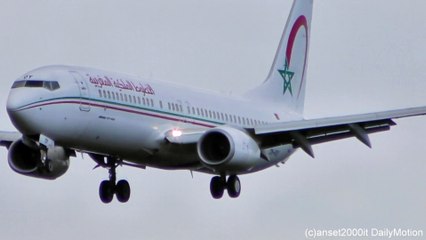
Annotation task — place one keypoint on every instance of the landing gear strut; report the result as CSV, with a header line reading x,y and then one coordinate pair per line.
x,y
218,185
108,188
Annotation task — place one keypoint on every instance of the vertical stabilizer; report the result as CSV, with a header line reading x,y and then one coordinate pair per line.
x,y
285,84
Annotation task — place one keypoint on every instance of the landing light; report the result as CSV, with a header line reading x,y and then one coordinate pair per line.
x,y
176,133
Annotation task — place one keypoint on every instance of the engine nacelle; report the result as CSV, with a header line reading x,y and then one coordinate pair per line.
x,y
229,150
28,161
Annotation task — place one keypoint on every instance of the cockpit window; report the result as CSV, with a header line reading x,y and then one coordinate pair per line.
x,y
34,84
18,84
50,85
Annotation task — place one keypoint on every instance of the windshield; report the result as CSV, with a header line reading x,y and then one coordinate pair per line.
x,y
50,85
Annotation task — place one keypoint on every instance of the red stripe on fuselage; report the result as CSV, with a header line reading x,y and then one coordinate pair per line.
x,y
119,109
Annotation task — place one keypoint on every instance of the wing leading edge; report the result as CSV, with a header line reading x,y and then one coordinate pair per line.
x,y
305,133
7,138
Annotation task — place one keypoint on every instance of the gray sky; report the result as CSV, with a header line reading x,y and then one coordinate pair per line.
x,y
365,55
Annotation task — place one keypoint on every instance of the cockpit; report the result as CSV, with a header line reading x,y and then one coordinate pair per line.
x,y
49,85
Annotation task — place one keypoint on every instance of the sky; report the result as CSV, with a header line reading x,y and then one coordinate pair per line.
x,y
365,55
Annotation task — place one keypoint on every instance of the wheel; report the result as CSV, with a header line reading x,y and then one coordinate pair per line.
x,y
48,166
233,186
122,191
106,191
217,187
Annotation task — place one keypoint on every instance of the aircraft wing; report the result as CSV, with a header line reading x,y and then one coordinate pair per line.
x,y
304,133
7,138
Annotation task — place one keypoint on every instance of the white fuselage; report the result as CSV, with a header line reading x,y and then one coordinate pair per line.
x,y
120,115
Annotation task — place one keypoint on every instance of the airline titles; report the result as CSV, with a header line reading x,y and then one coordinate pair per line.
x,y
121,84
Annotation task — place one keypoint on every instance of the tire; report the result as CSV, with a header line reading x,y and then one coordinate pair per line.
x,y
48,166
233,186
123,191
106,191
217,187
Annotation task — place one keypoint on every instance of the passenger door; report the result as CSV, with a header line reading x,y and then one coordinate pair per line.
x,y
84,91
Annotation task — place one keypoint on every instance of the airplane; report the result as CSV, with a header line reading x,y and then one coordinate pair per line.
x,y
123,120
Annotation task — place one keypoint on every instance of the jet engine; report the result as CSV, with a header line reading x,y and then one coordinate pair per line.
x,y
34,162
229,150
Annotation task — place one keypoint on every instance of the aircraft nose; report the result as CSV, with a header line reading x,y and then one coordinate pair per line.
x,y
16,105
17,99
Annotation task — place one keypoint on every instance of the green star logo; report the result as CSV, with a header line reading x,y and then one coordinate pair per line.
x,y
287,77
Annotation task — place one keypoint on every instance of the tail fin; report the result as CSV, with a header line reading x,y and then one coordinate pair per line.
x,y
285,84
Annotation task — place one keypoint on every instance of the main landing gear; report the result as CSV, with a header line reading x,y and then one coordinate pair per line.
x,y
108,188
218,185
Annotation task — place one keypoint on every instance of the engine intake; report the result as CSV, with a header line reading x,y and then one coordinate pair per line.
x,y
27,161
227,149
216,148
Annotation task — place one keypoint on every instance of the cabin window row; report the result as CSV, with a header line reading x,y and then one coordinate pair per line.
x,y
213,115
115,96
175,107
